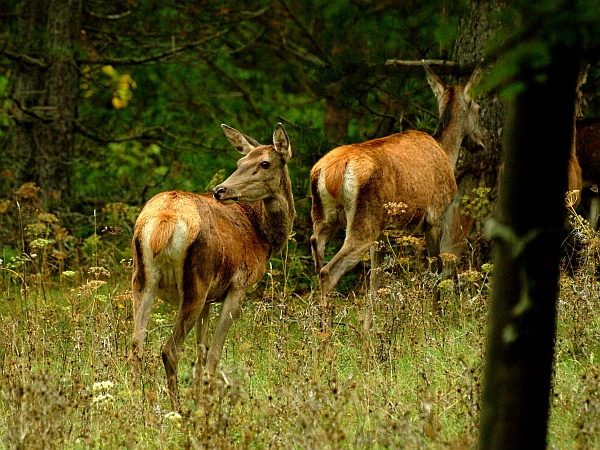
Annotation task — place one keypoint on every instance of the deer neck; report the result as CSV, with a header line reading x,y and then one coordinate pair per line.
x,y
450,139
278,215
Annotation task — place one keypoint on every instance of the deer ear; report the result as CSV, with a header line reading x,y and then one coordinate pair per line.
x,y
242,143
437,85
282,142
475,77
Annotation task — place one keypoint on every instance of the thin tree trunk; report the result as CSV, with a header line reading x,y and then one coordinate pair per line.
x,y
46,95
531,215
479,169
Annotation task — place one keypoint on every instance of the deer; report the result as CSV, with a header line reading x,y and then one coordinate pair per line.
x,y
192,250
352,184
588,152
459,225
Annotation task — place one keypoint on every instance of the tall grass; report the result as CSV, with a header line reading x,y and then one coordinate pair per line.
x,y
413,381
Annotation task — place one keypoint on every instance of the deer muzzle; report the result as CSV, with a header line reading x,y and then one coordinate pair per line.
x,y
221,193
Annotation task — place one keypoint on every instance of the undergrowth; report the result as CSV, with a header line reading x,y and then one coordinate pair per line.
x,y
413,381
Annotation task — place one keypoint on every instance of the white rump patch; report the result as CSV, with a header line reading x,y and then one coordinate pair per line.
x,y
349,193
329,203
168,264
344,208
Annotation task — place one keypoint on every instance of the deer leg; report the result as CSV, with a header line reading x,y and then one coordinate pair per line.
x,y
350,254
229,311
201,340
192,305
377,257
456,226
323,231
433,235
353,250
143,300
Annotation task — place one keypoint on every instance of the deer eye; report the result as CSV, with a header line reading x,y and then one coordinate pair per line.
x,y
265,164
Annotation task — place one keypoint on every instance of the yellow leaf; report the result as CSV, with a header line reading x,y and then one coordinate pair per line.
x,y
109,70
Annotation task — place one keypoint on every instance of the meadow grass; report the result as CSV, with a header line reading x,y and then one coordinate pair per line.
x,y
414,381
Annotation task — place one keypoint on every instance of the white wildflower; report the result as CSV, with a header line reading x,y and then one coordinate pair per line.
x,y
103,399
173,416
102,386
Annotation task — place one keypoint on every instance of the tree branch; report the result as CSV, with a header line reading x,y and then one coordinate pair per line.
x,y
375,113
300,53
24,58
422,62
305,30
154,134
303,54
108,17
237,85
146,133
22,113
152,58
423,110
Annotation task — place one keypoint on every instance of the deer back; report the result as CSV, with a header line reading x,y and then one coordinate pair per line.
x,y
227,237
179,231
408,167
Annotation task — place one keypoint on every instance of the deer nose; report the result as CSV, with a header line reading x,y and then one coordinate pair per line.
x,y
218,192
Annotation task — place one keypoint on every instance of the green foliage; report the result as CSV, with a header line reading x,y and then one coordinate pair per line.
x,y
90,245
216,179
151,127
477,205
120,214
530,30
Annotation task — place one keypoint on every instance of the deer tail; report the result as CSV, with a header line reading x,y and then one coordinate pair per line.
x,y
162,230
334,176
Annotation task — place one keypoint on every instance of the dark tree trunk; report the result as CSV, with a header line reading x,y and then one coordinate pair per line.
x,y
531,215
337,117
336,122
479,169
45,96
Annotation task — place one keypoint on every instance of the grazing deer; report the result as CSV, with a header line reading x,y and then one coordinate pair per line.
x,y
352,184
193,250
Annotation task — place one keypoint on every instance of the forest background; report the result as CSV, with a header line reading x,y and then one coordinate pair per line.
x,y
108,103
139,102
